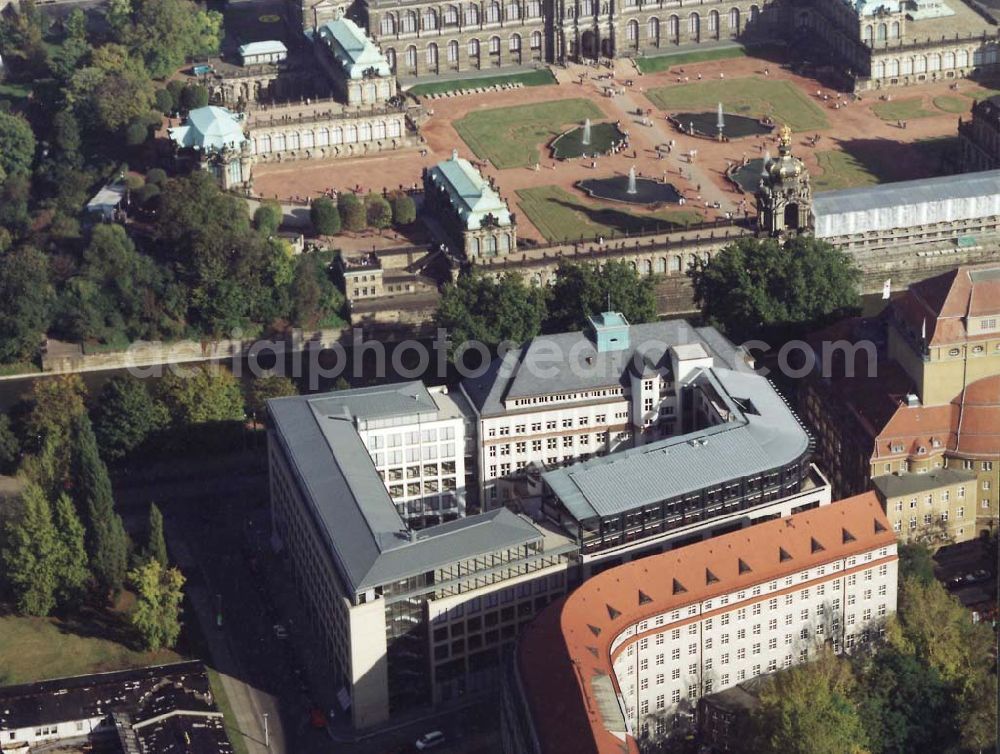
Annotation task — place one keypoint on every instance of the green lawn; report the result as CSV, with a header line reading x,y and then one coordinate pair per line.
x,y
14,91
754,96
950,104
982,94
560,216
32,649
839,171
663,62
509,137
902,109
540,77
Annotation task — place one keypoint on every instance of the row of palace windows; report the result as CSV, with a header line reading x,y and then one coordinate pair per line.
x,y
322,137
391,24
933,62
432,51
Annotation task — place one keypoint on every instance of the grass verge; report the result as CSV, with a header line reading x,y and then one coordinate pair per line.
x,y
669,60
222,702
541,77
840,171
755,97
561,216
950,104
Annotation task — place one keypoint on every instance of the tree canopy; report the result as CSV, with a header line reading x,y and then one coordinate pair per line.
x,y
25,301
479,309
127,415
584,290
755,286
17,145
165,33
157,611
200,395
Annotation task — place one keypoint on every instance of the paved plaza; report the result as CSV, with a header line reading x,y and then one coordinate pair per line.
x,y
908,134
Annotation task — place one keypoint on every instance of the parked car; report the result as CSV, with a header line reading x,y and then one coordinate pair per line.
x,y
430,740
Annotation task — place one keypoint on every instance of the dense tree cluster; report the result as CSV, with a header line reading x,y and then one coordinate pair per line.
x,y
479,308
759,287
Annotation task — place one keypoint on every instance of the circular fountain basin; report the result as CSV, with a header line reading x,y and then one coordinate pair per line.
x,y
747,177
568,145
615,188
734,126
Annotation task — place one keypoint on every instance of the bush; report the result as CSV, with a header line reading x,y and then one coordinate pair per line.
x,y
146,194
378,211
325,217
134,182
157,176
175,87
404,210
267,217
352,213
165,101
136,133
194,96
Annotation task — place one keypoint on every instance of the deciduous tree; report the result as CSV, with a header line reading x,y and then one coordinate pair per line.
x,y
200,395
25,302
325,216
378,212
754,286
582,291
127,415
17,144
267,387
157,612
30,554
404,211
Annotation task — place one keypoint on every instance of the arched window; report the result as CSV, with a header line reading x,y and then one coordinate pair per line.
x,y
472,15
451,15
647,267
432,55
515,43
533,9
962,59
895,29
661,266
653,31
754,14
390,58
474,48
323,137
264,144
673,27
278,142
408,23
694,25
336,135
395,128
492,13
379,130
675,264
430,19
536,40
734,20
632,32
475,247
308,139
491,246
892,69
690,261
513,11
453,51
293,140
883,32
351,134
494,45
587,7
365,132
713,22
387,25
880,69
869,34
411,57
920,64
933,62
948,61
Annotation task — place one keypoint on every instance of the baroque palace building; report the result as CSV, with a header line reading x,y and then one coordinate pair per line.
x,y
874,43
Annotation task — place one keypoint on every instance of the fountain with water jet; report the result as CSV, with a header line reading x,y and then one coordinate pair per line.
x,y
586,132
631,181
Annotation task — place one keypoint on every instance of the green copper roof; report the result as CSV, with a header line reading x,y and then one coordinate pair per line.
x,y
470,194
209,128
352,48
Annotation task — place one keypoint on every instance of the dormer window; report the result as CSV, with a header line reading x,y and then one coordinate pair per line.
x,y
921,450
954,352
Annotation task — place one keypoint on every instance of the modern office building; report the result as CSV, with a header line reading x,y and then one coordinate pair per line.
x,y
570,396
407,617
167,708
614,661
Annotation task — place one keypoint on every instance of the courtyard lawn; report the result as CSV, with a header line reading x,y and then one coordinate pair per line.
x,y
561,216
753,96
902,109
509,137
989,90
32,649
950,104
840,171
663,62
541,77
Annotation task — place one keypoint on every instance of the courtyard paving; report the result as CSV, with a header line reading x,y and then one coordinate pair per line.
x,y
859,145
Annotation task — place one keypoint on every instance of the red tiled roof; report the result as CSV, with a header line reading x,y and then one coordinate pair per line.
x,y
569,644
978,427
944,301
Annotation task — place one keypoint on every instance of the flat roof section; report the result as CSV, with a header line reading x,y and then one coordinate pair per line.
x,y
893,485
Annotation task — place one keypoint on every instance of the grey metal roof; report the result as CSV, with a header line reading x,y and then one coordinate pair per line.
x,y
368,540
749,443
377,402
893,485
888,195
570,362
